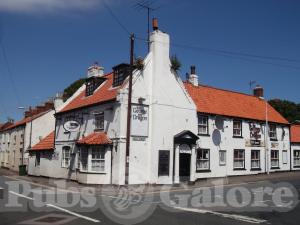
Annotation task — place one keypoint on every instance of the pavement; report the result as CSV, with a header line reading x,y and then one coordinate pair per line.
x,y
261,199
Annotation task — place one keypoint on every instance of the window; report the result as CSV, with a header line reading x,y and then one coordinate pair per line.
x,y
98,159
99,121
284,156
37,159
83,159
202,159
272,132
255,159
296,158
222,157
202,125
274,158
163,163
239,159
120,73
237,128
66,150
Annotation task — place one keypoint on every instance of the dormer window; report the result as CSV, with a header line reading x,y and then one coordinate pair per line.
x,y
89,88
120,73
92,84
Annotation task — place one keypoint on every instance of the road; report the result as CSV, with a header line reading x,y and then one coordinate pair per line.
x,y
265,202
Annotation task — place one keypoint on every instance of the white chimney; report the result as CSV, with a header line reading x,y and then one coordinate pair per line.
x,y
95,71
193,78
58,100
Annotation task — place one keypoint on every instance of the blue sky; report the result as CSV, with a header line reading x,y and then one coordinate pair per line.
x,y
50,43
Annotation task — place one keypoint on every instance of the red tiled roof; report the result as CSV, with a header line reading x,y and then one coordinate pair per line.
x,y
45,144
97,138
105,93
295,133
228,103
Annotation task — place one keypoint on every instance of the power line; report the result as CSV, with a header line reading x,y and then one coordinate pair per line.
x,y
116,18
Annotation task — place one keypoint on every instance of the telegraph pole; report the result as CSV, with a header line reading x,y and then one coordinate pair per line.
x,y
129,109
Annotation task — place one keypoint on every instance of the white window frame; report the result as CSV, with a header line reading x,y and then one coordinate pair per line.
x,y
203,124
203,159
99,121
100,159
273,131
296,158
65,161
256,159
273,159
240,158
222,162
237,131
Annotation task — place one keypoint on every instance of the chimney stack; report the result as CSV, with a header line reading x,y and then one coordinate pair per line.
x,y
193,78
155,24
258,91
95,71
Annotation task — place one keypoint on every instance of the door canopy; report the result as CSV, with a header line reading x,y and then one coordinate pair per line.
x,y
186,137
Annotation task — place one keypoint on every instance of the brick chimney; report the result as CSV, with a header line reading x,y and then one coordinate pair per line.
x,y
193,78
258,91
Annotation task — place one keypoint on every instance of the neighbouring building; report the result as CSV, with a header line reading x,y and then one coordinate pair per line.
x,y
295,146
180,131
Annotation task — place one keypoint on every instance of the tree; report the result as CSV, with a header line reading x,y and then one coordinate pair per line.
x,y
175,63
72,88
288,109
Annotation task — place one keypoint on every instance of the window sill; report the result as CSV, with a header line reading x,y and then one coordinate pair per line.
x,y
238,137
98,130
255,169
239,169
203,171
205,135
273,139
275,168
91,172
296,166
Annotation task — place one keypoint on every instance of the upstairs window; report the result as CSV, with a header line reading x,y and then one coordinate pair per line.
x,y
272,132
89,88
237,128
120,73
202,125
99,121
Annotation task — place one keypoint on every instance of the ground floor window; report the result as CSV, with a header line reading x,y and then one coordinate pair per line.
x,y
163,163
66,152
92,159
296,158
222,157
239,159
98,159
37,159
255,159
274,158
202,159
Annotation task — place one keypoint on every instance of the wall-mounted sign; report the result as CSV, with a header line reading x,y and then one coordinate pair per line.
x,y
255,131
72,126
139,120
254,143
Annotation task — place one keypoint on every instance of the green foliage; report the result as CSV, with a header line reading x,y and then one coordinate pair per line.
x,y
139,63
289,110
175,63
72,88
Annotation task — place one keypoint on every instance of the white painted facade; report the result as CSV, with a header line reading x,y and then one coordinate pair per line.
x,y
295,155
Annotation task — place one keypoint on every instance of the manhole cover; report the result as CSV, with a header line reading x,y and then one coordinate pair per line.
x,y
53,219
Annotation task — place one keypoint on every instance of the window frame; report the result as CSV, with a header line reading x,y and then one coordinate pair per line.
x,y
257,159
239,159
63,156
37,159
241,128
96,122
274,159
223,163
203,125
202,160
273,132
298,158
100,159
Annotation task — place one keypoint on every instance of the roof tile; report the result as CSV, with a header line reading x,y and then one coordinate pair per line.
x,y
45,144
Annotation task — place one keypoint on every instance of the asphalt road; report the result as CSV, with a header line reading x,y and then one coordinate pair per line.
x,y
264,202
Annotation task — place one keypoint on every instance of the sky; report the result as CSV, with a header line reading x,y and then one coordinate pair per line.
x,y
47,44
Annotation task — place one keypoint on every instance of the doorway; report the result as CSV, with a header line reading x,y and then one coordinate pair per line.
x,y
184,167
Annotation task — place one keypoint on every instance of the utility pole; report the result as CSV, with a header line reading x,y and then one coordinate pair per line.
x,y
129,109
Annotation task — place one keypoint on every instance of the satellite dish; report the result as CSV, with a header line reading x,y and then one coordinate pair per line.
x,y
219,122
216,137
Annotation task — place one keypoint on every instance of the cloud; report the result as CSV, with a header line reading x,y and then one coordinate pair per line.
x,y
48,5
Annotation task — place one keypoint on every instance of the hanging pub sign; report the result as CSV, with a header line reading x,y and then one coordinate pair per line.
x,y
71,126
139,120
255,131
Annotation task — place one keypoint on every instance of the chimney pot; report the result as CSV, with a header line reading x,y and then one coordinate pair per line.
x,y
193,69
258,91
155,24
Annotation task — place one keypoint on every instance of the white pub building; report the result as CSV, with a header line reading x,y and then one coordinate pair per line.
x,y
180,131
